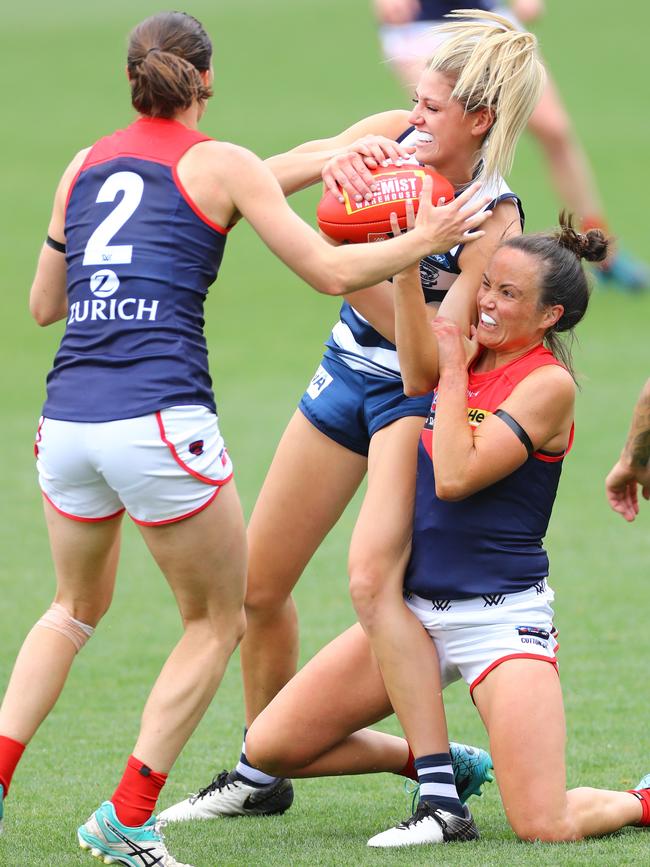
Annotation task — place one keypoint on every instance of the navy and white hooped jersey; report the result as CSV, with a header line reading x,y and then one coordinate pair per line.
x,y
353,339
434,10
140,258
489,543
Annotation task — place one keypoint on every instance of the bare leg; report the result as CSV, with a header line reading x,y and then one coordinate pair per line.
x,y
85,560
520,702
204,561
378,556
311,728
308,485
568,164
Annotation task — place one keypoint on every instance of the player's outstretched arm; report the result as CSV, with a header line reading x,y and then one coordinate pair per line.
x,y
632,470
333,270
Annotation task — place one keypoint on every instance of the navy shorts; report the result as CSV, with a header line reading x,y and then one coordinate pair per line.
x,y
349,406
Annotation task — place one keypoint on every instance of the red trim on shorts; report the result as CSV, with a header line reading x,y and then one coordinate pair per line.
x,y
180,517
38,437
78,517
497,662
181,463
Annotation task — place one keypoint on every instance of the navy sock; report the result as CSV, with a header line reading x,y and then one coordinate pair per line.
x,y
437,786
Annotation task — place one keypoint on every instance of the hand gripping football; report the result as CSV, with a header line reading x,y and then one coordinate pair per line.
x,y
358,222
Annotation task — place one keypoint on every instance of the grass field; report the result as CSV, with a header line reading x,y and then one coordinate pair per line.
x,y
286,72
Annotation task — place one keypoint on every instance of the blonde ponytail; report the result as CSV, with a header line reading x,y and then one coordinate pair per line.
x,y
495,66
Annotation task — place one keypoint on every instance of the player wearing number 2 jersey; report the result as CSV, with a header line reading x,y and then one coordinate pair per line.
x,y
129,422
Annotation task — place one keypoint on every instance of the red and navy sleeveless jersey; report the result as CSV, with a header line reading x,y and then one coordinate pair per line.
x,y
140,258
490,542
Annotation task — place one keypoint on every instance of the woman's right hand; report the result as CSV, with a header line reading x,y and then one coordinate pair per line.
x,y
451,223
350,169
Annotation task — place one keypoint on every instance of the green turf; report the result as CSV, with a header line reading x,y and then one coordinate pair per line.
x,y
288,71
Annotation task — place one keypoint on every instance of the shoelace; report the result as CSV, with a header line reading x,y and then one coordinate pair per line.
x,y
219,782
424,811
412,789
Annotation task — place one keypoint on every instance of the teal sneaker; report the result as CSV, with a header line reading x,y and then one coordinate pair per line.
x,y
114,843
472,769
2,811
625,272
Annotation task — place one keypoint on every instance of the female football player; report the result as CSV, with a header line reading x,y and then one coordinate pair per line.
x,y
471,105
137,234
476,579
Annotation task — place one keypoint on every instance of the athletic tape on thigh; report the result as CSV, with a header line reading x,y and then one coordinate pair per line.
x,y
58,618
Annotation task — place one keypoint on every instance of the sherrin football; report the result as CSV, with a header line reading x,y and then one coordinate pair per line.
x,y
359,222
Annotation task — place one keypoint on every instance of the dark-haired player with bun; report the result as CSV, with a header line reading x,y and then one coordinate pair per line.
x,y
490,457
137,234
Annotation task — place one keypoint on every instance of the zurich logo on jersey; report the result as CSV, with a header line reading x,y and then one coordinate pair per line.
x,y
104,283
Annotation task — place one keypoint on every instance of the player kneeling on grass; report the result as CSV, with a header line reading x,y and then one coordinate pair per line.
x,y
476,578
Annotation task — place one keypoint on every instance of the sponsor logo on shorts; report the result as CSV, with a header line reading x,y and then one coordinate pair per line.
x,y
533,635
196,448
441,604
319,382
533,631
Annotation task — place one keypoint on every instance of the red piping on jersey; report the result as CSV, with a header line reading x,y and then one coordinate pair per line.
x,y
144,154
78,517
552,459
181,463
180,517
497,662
199,213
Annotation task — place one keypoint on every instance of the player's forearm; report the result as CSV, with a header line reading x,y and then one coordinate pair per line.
x,y
300,168
417,348
636,452
453,439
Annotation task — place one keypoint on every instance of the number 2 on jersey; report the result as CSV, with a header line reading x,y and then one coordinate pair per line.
x,y
99,251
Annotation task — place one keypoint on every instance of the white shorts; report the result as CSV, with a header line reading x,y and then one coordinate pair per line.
x,y
416,40
161,467
473,636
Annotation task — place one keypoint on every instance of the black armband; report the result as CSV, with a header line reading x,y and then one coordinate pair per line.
x,y
55,245
516,428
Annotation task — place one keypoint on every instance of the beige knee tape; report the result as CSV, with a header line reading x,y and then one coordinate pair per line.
x,y
59,619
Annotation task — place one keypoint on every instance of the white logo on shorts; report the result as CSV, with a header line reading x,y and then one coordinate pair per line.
x,y
104,283
320,380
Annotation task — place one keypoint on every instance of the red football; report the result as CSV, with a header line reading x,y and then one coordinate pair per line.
x,y
358,222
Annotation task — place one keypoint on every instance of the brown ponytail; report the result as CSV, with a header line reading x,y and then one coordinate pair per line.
x,y
165,55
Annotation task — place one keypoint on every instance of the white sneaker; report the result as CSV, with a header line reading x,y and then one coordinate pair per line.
x,y
428,825
228,796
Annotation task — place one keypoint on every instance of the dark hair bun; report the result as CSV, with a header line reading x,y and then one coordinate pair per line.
x,y
591,245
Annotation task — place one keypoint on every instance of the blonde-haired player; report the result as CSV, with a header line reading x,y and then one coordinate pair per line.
x,y
472,102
